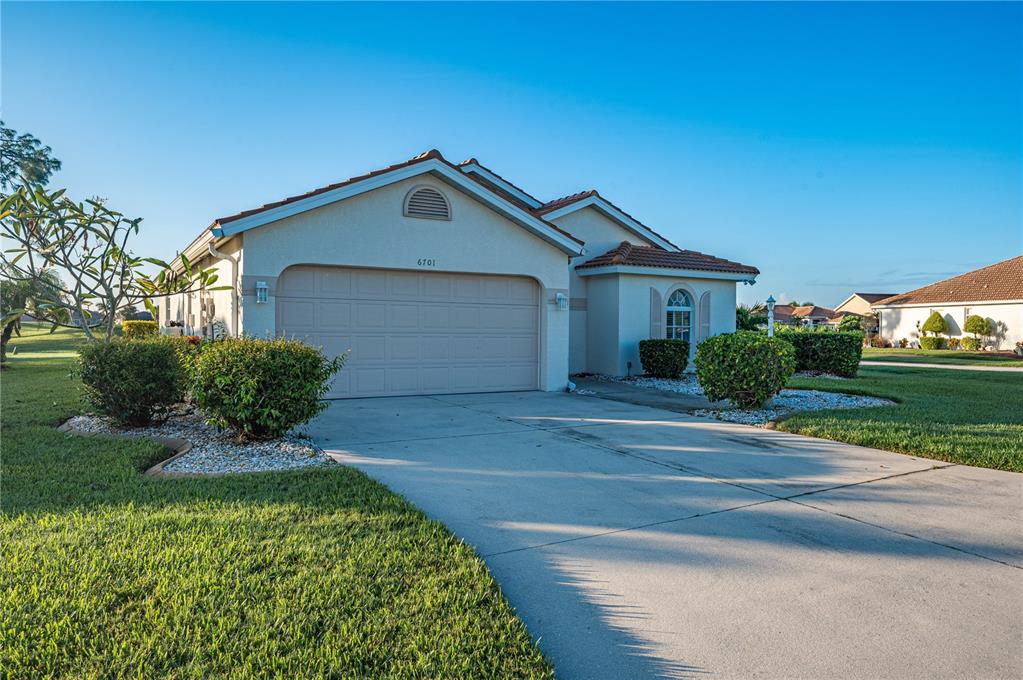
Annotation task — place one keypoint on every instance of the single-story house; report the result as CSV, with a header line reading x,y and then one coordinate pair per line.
x,y
812,315
859,303
441,278
994,292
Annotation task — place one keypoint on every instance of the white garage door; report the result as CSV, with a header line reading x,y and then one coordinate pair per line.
x,y
413,332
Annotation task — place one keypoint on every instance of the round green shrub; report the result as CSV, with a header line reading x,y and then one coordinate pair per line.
x,y
932,342
140,330
746,368
664,358
977,325
134,383
935,323
261,388
969,343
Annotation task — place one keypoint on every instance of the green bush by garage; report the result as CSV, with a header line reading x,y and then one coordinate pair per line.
x,y
664,358
140,330
835,352
261,388
133,382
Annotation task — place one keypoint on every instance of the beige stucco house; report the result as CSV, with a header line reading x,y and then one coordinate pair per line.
x,y
443,278
994,292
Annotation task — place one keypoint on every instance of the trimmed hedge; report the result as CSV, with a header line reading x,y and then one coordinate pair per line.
x,y
140,330
261,388
835,352
664,358
747,368
132,382
932,342
970,343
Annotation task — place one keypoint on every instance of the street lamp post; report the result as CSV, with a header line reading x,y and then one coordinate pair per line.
x,y
770,316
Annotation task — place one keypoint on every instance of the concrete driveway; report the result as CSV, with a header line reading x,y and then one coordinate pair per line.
x,y
637,542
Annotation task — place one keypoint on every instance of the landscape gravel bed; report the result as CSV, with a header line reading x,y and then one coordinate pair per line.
x,y
784,404
215,451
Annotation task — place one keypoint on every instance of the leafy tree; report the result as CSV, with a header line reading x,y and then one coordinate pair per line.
x,y
127,312
978,325
23,157
88,242
749,318
936,324
23,296
850,322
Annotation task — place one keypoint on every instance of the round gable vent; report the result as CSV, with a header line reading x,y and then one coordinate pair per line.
x,y
428,203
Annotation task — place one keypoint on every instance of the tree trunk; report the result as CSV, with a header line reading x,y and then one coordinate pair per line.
x,y
5,338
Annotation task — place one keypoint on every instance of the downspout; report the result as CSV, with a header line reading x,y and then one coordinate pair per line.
x,y
234,285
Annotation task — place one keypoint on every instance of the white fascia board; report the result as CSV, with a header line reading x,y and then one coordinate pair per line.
x,y
950,304
846,301
666,272
616,215
443,171
511,189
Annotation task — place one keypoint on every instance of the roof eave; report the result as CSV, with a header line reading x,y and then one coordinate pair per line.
x,y
444,171
616,214
670,272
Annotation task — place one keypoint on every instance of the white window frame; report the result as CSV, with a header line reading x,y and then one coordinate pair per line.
x,y
679,331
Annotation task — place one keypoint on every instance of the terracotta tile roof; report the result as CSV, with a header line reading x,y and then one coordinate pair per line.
x,y
804,311
628,254
432,154
565,200
575,198
999,281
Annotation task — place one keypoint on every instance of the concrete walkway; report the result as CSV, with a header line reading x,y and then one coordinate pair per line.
x,y
638,542
954,367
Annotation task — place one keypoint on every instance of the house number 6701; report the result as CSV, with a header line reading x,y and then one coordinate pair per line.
x,y
427,262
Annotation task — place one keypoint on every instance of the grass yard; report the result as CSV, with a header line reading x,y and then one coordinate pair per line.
x,y
107,573
942,356
968,417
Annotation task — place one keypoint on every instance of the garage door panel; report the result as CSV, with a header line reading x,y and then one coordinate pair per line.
x,y
415,332
331,315
402,316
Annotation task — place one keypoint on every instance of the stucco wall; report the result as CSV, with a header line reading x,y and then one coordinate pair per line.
x,y
613,338
600,234
902,322
370,230
221,298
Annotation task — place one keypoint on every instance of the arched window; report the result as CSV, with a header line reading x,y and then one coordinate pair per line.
x,y
679,316
428,203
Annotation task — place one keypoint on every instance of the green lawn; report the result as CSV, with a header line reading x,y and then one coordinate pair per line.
x,y
941,356
107,573
968,417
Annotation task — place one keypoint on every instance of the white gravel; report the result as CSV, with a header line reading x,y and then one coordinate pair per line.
x,y
215,451
784,404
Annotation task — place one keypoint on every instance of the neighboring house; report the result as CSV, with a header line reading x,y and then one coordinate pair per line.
x,y
446,278
859,303
994,292
812,315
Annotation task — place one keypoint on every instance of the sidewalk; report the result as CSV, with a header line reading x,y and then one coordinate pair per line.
x,y
954,367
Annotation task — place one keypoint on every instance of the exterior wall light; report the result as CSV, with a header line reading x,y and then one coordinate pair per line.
x,y
562,301
262,293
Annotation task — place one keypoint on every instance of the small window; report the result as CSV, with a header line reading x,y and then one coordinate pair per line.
x,y
428,203
679,315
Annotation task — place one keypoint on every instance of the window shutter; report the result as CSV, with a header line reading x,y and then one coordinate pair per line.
x,y
656,320
704,317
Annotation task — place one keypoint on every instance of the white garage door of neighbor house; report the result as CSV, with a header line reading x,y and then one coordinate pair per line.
x,y
414,332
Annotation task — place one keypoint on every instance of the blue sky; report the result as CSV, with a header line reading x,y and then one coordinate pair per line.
x,y
868,147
